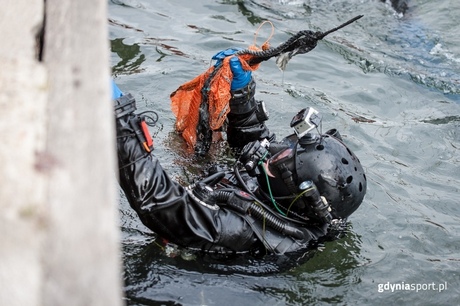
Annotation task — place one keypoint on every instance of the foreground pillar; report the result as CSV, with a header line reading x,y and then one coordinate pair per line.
x,y
59,234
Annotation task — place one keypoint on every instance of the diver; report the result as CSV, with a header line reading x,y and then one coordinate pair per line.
x,y
280,196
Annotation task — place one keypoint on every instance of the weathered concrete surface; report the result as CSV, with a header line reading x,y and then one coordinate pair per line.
x,y
23,94
59,235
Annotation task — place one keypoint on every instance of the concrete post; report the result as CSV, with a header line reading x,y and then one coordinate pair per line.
x,y
59,235
22,132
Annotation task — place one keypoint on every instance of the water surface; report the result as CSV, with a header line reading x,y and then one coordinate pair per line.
x,y
390,84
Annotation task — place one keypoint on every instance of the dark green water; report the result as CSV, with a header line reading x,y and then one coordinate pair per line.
x,y
389,83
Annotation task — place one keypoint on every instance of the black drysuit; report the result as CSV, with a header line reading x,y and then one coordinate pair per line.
x,y
169,210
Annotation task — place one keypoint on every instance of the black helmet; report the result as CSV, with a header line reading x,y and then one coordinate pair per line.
x,y
336,172
315,176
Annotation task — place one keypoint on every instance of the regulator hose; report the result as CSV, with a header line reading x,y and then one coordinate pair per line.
x,y
243,203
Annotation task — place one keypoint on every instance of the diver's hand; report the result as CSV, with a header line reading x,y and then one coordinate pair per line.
x,y
241,77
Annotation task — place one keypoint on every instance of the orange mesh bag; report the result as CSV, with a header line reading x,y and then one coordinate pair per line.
x,y
186,100
185,103
219,96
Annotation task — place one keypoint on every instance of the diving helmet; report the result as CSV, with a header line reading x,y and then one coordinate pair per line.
x,y
312,176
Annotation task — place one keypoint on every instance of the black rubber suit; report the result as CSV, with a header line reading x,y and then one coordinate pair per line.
x,y
173,213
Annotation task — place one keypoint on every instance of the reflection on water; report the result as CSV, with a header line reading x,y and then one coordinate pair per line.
x,y
251,17
444,120
150,273
130,56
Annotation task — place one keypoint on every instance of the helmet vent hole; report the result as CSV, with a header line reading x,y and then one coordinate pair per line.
x,y
356,169
365,178
349,179
349,152
360,187
344,161
320,147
